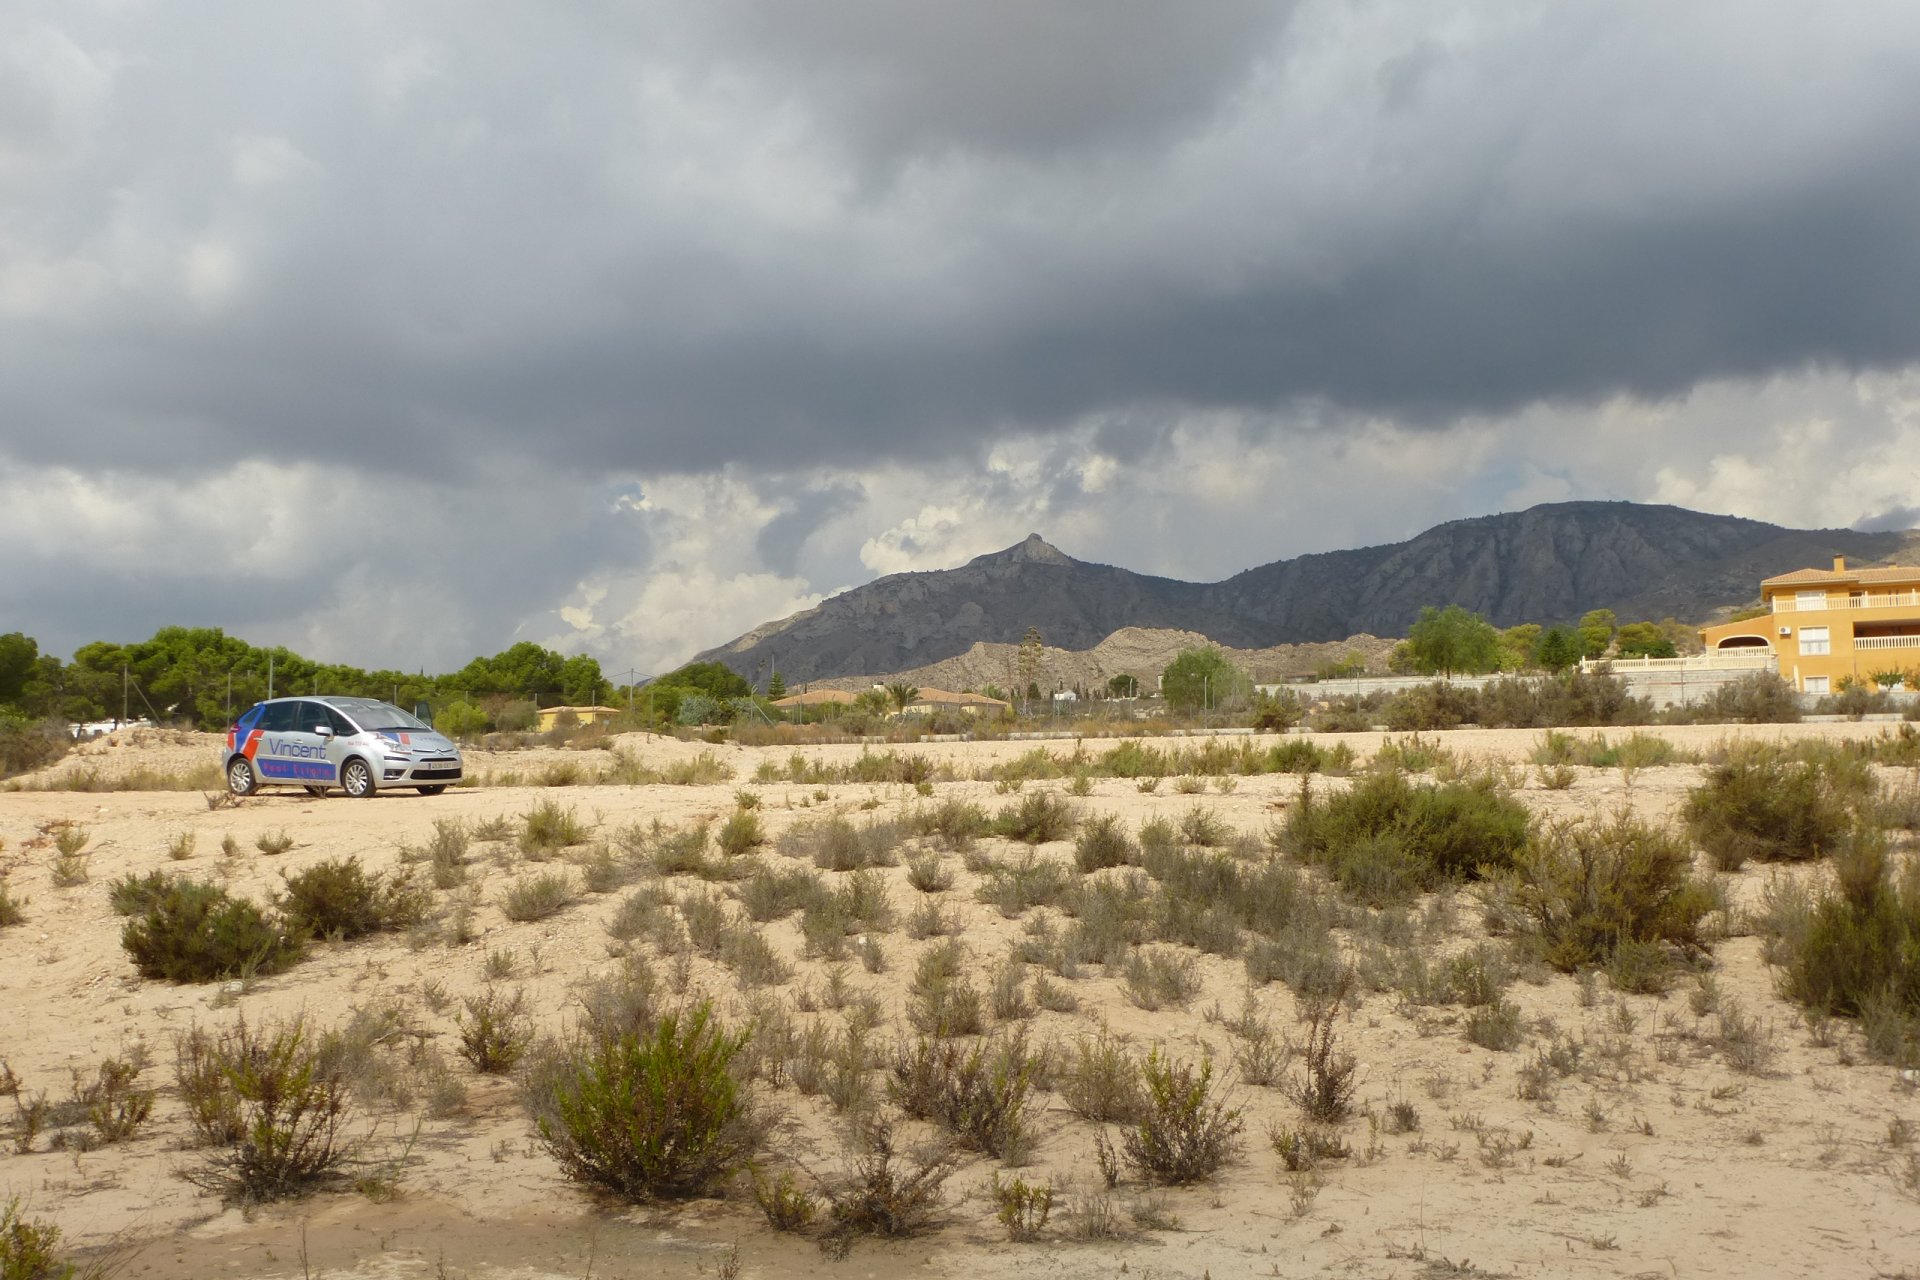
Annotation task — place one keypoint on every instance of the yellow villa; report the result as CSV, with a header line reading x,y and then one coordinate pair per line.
x,y
1823,625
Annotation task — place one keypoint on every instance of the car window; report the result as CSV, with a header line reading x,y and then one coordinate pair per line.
x,y
252,717
341,725
278,717
374,716
310,716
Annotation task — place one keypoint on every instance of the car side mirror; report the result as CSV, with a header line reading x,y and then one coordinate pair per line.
x,y
324,730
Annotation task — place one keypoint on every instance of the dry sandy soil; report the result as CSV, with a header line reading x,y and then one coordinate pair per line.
x,y
1658,1158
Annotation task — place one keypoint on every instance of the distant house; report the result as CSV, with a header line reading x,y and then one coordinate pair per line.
x,y
929,701
1825,624
550,716
817,698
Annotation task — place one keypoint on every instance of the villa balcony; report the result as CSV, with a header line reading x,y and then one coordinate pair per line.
x,y
1886,642
1865,600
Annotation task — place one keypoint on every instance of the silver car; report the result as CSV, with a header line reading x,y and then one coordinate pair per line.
x,y
361,745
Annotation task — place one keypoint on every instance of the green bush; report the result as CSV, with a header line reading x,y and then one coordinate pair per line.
x,y
130,894
1581,890
1431,706
883,1195
648,1113
1386,836
273,1104
1760,698
1184,1133
195,932
338,899
741,833
12,909
1762,806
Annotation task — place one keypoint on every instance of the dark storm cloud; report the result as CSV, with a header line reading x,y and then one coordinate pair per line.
x,y
860,230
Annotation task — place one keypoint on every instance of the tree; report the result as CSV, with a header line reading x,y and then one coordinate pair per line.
x,y
776,686
872,701
581,684
1203,679
1559,648
901,693
1643,640
19,655
1123,686
1518,645
1450,640
1032,649
715,679
1596,631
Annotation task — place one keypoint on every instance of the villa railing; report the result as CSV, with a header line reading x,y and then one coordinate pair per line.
x,y
1866,600
1886,642
1757,659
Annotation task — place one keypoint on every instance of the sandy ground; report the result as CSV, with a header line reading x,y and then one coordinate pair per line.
x,y
1659,1159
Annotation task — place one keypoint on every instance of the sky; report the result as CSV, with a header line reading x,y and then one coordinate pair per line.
x,y
401,332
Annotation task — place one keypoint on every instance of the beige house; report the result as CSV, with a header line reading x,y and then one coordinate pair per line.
x,y
972,704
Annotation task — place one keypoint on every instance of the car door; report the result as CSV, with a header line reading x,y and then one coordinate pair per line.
x,y
338,746
273,757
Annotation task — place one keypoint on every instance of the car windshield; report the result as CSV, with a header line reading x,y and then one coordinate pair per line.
x,y
374,716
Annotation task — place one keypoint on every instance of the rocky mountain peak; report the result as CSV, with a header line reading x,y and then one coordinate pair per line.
x,y
1033,549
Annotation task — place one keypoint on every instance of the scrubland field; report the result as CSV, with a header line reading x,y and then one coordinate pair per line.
x,y
1475,1003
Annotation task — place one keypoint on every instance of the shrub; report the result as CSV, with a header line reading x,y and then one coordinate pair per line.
x,y
275,1107
1326,1085
12,910
771,894
1759,805
1760,698
928,873
131,895
1184,1133
655,1113
495,1031
338,899
1102,843
1431,706
979,1095
1102,1082
1039,816
956,822
787,1207
741,833
1495,1026
835,844
1022,1209
25,747
1386,831
1854,948
537,897
29,1248
195,932
1013,887
1582,889
882,1194
547,827
1160,976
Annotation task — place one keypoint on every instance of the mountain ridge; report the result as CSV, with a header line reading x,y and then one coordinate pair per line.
x,y
1548,563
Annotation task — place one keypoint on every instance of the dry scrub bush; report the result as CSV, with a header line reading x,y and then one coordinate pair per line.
x,y
195,932
1184,1133
270,1105
1103,843
495,1030
978,1095
884,1193
1038,817
1762,806
547,828
1327,1081
1101,1082
1582,890
537,897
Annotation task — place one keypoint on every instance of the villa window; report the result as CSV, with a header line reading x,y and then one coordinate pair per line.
x,y
1814,642
1817,684
1804,600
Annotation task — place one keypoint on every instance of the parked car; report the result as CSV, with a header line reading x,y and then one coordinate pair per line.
x,y
361,745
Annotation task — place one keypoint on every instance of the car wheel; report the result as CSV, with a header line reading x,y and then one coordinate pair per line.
x,y
356,778
316,791
432,791
241,779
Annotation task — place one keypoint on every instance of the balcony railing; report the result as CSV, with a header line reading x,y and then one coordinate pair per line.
x,y
1757,658
1886,642
1866,600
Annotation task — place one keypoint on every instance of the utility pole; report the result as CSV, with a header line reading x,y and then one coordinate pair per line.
x,y
124,681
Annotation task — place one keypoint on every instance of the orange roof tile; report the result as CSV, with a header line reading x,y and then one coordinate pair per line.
x,y
1827,577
